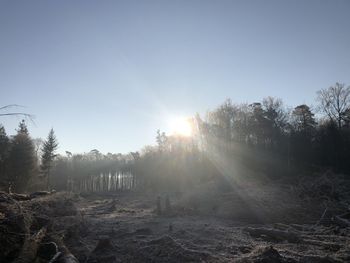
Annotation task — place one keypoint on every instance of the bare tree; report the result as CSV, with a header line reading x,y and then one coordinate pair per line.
x,y
335,101
38,142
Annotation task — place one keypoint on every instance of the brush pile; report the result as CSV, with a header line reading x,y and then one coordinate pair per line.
x,y
29,230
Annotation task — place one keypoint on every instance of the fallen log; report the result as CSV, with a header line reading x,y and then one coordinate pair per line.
x,y
23,197
20,197
65,255
10,198
278,235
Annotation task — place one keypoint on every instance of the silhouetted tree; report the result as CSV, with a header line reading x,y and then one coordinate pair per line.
x,y
302,135
347,118
259,125
22,128
335,102
329,143
48,155
4,153
161,139
303,119
22,158
38,142
277,118
222,120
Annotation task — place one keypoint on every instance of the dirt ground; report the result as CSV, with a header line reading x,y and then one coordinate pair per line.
x,y
127,227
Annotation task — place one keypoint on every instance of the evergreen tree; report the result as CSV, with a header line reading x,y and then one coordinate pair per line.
x,y
48,155
303,118
22,128
4,152
302,134
22,159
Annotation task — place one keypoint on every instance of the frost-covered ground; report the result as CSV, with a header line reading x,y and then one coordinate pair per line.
x,y
129,230
250,223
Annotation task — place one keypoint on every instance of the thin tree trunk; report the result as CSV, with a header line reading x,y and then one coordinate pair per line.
x,y
48,179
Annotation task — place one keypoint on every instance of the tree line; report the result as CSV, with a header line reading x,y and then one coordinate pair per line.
x,y
94,172
20,161
264,137
294,137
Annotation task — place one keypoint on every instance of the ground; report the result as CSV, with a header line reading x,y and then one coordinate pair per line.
x,y
265,225
134,232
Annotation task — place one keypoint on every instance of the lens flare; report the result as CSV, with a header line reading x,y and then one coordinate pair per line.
x,y
181,126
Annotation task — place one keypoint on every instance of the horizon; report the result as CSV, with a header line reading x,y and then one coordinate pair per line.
x,y
107,76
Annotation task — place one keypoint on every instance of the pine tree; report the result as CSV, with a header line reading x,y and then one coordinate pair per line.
x,y
4,152
303,119
48,155
22,128
22,159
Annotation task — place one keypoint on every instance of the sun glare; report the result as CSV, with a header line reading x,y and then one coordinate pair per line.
x,y
181,126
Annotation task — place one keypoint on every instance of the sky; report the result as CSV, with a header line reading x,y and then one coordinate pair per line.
x,y
107,74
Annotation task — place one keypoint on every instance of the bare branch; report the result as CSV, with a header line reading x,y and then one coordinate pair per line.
x,y
334,101
16,114
10,106
23,114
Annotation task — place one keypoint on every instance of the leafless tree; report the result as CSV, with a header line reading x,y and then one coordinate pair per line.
x,y
38,142
335,101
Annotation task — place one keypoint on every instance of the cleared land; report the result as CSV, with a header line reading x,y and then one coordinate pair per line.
x,y
197,227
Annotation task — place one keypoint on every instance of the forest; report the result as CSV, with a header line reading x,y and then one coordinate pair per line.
x,y
264,137
272,176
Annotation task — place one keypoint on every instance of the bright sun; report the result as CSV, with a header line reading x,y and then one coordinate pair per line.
x,y
181,126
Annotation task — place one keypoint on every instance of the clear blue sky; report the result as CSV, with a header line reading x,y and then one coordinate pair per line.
x,y
107,74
